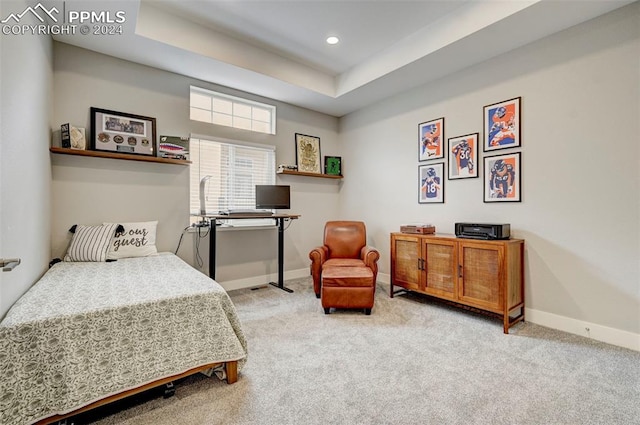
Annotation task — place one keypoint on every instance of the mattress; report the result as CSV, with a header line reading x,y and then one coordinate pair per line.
x,y
88,330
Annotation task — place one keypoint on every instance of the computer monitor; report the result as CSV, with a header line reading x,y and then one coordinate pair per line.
x,y
273,197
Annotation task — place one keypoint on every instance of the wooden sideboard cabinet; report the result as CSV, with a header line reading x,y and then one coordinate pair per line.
x,y
483,275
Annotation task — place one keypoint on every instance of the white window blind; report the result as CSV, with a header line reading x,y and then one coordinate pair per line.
x,y
231,111
232,170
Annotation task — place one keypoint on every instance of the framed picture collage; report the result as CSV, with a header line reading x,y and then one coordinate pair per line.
x,y
458,158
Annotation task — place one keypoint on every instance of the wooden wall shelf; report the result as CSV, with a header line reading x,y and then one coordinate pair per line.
x,y
116,155
302,173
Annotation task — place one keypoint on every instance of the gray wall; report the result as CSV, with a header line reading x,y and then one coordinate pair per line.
x,y
580,208
25,171
92,190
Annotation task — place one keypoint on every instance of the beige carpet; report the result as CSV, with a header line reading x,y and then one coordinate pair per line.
x,y
413,361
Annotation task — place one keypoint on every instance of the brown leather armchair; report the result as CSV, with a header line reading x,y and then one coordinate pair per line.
x,y
344,245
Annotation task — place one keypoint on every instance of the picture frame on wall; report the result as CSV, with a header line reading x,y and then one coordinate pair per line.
x,y
431,139
502,125
308,156
122,132
431,183
463,156
333,165
503,178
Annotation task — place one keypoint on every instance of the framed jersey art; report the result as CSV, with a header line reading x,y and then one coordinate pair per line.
x,y
502,178
431,183
502,125
431,140
463,156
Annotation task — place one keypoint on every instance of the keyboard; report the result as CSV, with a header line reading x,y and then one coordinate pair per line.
x,y
236,212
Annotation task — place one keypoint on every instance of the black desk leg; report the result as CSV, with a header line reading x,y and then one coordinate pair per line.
x,y
213,226
280,284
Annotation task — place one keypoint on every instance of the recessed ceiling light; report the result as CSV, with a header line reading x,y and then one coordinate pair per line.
x,y
333,40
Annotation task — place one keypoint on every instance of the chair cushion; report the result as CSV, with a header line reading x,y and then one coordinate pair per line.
x,y
347,277
342,262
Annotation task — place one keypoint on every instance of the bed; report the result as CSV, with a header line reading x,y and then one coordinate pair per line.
x,y
91,332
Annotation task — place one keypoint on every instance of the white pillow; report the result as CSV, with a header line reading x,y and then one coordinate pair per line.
x,y
90,243
137,240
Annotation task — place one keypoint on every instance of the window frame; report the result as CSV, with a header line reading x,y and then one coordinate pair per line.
x,y
232,174
235,117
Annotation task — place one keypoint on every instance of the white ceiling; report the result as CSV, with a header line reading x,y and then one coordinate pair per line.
x,y
297,30
277,49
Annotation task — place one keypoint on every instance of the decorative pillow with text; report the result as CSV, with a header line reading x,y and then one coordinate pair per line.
x,y
137,240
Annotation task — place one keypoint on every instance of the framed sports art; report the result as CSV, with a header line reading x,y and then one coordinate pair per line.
x,y
502,125
430,140
431,183
463,156
502,178
122,132
308,153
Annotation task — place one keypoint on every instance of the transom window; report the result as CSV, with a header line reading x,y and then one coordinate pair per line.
x,y
223,109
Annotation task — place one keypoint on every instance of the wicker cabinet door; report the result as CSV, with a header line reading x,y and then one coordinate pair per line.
x,y
406,262
440,268
480,275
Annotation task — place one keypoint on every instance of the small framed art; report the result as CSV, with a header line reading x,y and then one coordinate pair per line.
x,y
502,178
122,132
502,125
430,140
308,154
431,183
463,156
333,165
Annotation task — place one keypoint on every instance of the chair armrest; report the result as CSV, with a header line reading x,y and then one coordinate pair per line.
x,y
319,255
370,256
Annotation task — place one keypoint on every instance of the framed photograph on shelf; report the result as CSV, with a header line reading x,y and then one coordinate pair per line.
x,y
502,178
308,154
333,165
122,132
502,125
463,156
431,183
430,140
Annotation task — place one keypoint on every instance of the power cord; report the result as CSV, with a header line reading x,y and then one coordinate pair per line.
x,y
199,226
180,240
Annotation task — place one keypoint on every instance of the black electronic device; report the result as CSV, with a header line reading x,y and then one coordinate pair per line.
x,y
485,231
273,197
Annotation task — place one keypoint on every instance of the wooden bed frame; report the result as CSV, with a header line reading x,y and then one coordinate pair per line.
x,y
231,369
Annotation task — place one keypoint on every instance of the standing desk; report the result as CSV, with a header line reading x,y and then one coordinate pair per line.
x,y
279,218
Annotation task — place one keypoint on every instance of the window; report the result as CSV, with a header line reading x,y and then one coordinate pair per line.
x,y
222,109
232,171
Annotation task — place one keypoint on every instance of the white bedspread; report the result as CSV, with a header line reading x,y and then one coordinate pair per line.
x,y
86,331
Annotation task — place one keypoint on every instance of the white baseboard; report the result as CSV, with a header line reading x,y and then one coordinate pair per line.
x,y
384,278
579,327
252,282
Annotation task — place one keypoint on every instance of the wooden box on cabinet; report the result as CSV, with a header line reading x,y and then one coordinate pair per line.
x,y
484,275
